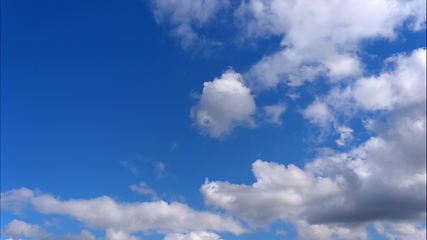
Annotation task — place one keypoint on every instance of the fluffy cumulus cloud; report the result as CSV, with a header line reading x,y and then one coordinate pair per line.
x,y
400,87
120,219
278,191
321,37
318,38
381,181
224,104
20,229
187,15
318,113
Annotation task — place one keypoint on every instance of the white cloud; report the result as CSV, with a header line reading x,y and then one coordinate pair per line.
x,y
404,85
308,231
338,194
320,37
19,229
199,235
16,199
401,231
277,194
318,113
225,103
373,93
143,189
187,15
346,134
400,86
106,213
274,113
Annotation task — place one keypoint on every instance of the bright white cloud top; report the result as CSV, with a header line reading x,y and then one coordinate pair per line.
x,y
225,103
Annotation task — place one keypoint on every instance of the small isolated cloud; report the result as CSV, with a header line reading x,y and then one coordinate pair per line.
x,y
225,103
15,200
346,134
273,113
17,230
318,113
143,189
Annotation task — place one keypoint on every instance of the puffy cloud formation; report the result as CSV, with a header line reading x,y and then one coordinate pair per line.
x,y
403,86
278,191
321,37
318,113
225,103
185,15
20,229
124,218
381,180
399,88
200,235
401,231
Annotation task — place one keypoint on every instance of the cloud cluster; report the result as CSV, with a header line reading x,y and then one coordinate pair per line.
x,y
225,103
399,88
318,113
383,179
277,193
124,218
321,37
187,15
18,229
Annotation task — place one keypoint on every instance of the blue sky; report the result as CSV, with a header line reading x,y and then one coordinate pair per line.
x,y
208,120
